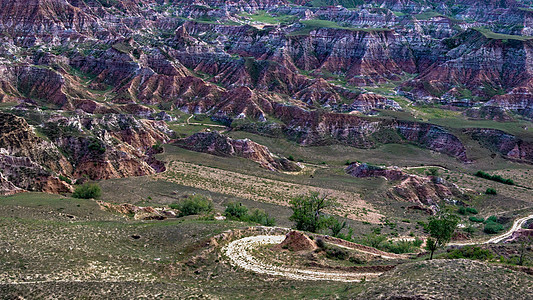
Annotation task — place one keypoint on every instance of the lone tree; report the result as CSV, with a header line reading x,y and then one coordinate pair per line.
x,y
308,211
441,230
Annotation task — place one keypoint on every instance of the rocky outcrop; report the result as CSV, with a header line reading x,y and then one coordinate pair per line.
x,y
21,173
112,146
217,144
363,170
138,212
426,192
507,145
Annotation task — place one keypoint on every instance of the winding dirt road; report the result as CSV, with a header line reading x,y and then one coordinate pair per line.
x,y
517,224
239,253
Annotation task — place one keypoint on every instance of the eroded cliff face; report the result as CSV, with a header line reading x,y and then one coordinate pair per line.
x,y
425,193
217,144
507,145
109,69
113,146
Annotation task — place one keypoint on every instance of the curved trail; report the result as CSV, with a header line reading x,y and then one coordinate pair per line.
x,y
239,253
517,224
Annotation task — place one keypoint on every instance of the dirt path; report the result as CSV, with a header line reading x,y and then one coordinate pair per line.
x,y
517,224
202,124
240,254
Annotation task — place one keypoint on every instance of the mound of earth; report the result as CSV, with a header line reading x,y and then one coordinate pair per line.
x,y
448,279
297,241
216,144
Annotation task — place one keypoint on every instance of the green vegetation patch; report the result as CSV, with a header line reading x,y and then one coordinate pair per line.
x,y
500,36
310,25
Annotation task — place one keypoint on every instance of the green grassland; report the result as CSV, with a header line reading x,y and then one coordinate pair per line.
x,y
499,36
310,25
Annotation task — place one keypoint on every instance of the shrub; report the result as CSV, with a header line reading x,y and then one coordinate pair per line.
x,y
471,252
261,217
336,253
492,219
357,260
496,178
491,191
492,227
476,219
402,246
193,205
65,179
472,210
87,191
236,211
467,210
320,244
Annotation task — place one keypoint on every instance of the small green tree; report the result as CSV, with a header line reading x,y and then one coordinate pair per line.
x,y
308,211
441,230
87,191
431,246
335,226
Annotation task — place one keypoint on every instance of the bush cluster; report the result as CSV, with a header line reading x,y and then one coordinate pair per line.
x,y
238,211
87,191
496,178
467,210
491,191
471,252
193,205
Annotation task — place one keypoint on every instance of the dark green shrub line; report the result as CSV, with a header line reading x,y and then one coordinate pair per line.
x,y
496,178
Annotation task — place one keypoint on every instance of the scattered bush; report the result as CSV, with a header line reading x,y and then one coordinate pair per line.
x,y
402,246
320,243
471,252
65,179
87,191
467,210
236,211
496,178
193,205
472,210
336,253
357,260
462,210
476,219
491,191
492,219
261,217
492,227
